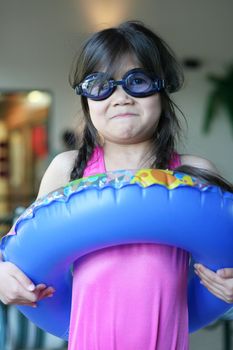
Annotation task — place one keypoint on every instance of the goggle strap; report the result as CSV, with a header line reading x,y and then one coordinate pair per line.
x,y
159,84
114,83
78,90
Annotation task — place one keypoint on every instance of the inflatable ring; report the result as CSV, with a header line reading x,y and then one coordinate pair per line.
x,y
116,208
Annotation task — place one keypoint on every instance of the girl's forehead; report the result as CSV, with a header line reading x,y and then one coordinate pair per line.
x,y
120,66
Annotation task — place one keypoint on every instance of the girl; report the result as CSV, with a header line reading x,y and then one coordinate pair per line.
x,y
131,296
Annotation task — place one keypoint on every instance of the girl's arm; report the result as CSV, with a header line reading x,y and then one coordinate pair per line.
x,y
15,286
219,283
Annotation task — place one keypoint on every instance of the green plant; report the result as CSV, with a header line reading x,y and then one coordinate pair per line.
x,y
221,96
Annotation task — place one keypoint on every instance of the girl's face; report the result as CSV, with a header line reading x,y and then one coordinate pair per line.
x,y
122,118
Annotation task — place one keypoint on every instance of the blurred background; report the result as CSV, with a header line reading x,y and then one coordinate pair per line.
x,y
39,111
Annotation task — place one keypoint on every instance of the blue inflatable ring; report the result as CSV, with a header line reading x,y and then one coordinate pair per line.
x,y
116,208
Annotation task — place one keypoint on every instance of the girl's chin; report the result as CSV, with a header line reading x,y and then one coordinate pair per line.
x,y
128,139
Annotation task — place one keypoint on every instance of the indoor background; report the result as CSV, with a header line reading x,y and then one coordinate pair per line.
x,y
38,42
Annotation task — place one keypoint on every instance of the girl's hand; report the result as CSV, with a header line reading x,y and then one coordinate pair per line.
x,y
220,283
17,288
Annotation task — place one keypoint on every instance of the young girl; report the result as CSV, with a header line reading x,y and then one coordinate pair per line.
x,y
130,296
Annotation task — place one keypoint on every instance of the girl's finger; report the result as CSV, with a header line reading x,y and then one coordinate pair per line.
x,y
22,278
212,278
216,284
215,288
218,293
210,281
207,274
203,277
225,273
48,292
40,286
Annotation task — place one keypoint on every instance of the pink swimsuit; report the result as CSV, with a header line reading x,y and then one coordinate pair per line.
x,y
130,297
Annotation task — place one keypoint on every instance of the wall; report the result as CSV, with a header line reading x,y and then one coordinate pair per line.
x,y
38,41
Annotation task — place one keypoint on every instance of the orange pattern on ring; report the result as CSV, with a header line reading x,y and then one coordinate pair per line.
x,y
147,177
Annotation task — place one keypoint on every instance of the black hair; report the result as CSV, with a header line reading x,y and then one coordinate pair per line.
x,y
206,176
69,139
104,49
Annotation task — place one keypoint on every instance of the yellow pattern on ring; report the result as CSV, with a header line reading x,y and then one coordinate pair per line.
x,y
147,177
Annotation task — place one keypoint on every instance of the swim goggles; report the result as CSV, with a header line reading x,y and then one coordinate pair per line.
x,y
136,82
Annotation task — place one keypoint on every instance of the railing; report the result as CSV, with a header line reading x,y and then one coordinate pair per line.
x,y
227,328
17,332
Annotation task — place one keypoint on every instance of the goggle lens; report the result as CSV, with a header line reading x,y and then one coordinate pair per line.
x,y
95,86
139,82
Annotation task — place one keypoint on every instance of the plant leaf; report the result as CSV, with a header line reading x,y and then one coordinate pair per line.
x,y
211,107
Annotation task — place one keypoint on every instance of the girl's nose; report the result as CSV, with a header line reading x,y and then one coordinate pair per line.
x,y
120,97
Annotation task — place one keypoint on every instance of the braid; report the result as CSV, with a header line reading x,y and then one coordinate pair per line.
x,y
84,154
207,176
166,134
164,152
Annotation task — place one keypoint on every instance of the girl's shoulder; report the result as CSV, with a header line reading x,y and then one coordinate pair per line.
x,y
57,173
198,162
64,159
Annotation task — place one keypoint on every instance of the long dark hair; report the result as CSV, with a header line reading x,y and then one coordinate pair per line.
x,y
206,176
104,50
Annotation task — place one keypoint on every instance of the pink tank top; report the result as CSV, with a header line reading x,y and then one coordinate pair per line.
x,y
130,297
